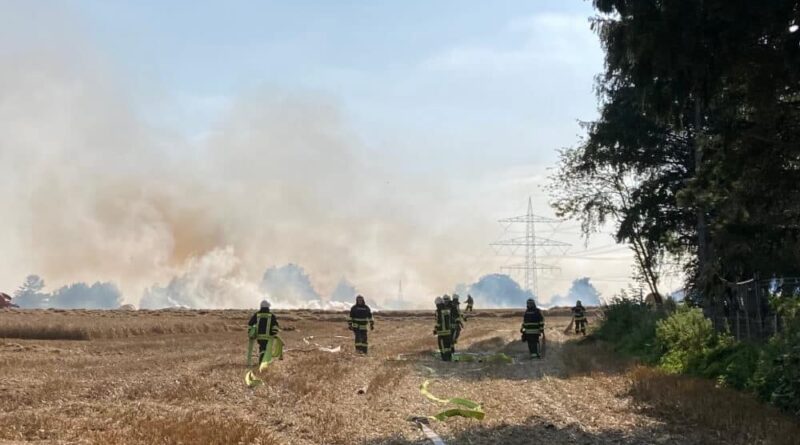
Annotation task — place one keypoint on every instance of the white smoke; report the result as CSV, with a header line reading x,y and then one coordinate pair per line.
x,y
93,189
344,291
213,281
96,192
291,282
216,280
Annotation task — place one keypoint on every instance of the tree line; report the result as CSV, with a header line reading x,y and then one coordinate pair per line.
x,y
695,156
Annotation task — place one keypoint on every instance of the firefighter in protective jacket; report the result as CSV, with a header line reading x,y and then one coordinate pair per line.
x,y
266,327
457,318
579,315
444,329
532,328
360,320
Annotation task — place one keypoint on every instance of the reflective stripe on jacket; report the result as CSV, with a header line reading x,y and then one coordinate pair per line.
x,y
360,317
533,322
265,323
444,321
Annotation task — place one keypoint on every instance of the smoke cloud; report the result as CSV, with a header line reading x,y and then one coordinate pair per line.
x,y
212,281
290,282
498,290
97,191
99,186
582,290
344,291
501,291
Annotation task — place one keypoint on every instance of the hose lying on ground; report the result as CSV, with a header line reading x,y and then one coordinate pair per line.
x,y
466,407
251,380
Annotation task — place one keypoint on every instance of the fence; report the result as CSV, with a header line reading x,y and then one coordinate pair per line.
x,y
745,309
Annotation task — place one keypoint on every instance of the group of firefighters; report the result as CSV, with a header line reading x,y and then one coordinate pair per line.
x,y
449,323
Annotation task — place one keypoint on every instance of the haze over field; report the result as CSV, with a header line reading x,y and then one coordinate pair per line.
x,y
205,156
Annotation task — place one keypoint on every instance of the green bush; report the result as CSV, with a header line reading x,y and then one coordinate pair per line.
x,y
730,363
777,377
684,339
630,326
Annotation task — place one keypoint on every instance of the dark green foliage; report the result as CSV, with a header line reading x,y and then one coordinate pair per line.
x,y
730,363
631,327
683,341
696,151
695,155
777,378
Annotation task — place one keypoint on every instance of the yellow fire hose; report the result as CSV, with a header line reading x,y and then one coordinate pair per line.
x,y
466,407
274,350
251,380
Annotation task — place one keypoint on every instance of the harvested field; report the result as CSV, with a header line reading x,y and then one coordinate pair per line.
x,y
177,377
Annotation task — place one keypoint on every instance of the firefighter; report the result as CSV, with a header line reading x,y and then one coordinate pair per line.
x,y
532,328
457,319
265,327
470,301
360,318
579,315
443,330
448,302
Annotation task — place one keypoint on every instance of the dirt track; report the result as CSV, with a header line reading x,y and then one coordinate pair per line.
x,y
172,388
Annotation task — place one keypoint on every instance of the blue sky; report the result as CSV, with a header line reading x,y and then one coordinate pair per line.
x,y
368,141
419,81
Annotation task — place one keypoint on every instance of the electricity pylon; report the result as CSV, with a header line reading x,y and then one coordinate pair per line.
x,y
530,242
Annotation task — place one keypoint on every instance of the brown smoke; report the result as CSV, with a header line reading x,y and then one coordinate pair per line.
x,y
92,191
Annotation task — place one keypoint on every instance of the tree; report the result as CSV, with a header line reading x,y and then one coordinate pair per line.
x,y
695,153
629,170
29,295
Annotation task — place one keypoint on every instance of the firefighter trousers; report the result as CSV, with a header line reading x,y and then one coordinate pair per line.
x,y
362,343
533,343
446,347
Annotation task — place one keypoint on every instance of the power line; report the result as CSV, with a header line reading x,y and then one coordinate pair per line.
x,y
530,241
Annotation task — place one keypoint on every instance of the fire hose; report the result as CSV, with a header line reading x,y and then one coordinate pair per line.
x,y
273,350
465,407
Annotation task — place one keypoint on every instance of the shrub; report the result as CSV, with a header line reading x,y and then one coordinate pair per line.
x,y
777,377
631,327
730,363
684,341
684,338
